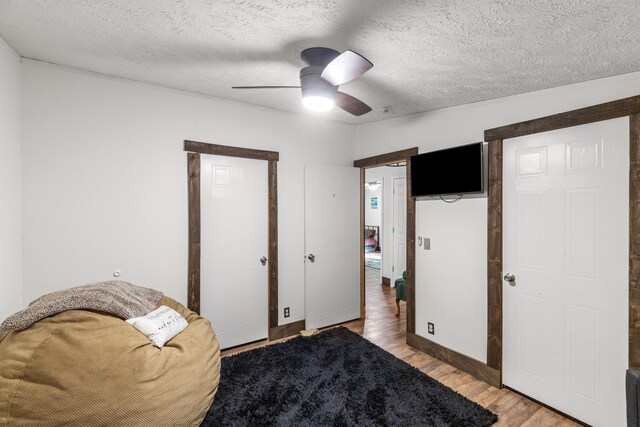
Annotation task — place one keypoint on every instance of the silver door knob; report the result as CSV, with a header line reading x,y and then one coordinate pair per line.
x,y
263,260
510,278
312,257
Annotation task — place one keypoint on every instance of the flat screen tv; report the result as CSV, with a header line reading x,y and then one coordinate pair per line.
x,y
453,171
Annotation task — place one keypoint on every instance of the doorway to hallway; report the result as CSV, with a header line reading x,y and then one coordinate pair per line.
x,y
384,237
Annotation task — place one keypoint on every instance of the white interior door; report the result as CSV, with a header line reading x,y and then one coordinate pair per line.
x,y
399,228
332,244
566,242
234,227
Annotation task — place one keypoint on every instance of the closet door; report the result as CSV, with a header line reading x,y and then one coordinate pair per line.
x,y
234,235
566,269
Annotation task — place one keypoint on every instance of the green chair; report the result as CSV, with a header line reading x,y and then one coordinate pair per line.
x,y
401,291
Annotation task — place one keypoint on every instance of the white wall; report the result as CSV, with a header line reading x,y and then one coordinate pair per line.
x,y
10,182
450,274
105,179
386,174
451,278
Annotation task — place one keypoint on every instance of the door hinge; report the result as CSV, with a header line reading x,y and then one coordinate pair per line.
x,y
393,229
393,269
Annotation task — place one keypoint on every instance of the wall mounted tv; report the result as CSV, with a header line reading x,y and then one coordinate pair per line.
x,y
453,171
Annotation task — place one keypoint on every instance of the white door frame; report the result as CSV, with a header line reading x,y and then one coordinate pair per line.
x,y
397,272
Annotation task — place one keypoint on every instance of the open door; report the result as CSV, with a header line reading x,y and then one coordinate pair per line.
x,y
332,245
399,227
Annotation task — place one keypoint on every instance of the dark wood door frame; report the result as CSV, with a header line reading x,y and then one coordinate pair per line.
x,y
194,150
432,348
491,371
382,160
628,107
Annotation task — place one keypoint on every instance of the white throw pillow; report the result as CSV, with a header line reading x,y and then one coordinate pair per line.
x,y
160,325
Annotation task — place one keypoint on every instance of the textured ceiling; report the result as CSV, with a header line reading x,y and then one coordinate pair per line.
x,y
426,54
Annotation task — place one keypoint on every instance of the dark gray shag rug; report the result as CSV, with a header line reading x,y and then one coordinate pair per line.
x,y
335,378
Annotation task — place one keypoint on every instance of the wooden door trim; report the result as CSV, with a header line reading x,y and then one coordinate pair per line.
x,y
582,116
286,330
230,151
385,159
634,241
272,237
494,255
362,275
495,137
195,149
381,160
193,277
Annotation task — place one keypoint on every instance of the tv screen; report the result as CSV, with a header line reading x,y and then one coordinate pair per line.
x,y
451,171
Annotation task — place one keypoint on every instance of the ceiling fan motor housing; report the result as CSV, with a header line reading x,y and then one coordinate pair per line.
x,y
318,56
313,85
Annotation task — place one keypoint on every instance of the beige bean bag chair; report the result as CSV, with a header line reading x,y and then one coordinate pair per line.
x,y
84,368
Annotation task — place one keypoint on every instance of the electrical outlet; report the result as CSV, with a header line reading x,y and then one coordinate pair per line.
x,y
287,313
431,328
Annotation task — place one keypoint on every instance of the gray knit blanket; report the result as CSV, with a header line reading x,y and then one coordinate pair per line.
x,y
121,299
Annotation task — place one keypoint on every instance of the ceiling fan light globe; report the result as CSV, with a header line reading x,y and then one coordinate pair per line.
x,y
318,103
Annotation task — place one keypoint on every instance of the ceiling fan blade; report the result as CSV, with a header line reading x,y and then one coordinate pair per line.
x,y
265,87
345,67
351,104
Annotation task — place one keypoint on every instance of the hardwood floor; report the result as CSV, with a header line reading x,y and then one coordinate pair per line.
x,y
387,331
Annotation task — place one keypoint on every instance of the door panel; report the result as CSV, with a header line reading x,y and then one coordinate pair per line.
x,y
566,239
332,232
233,290
399,228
